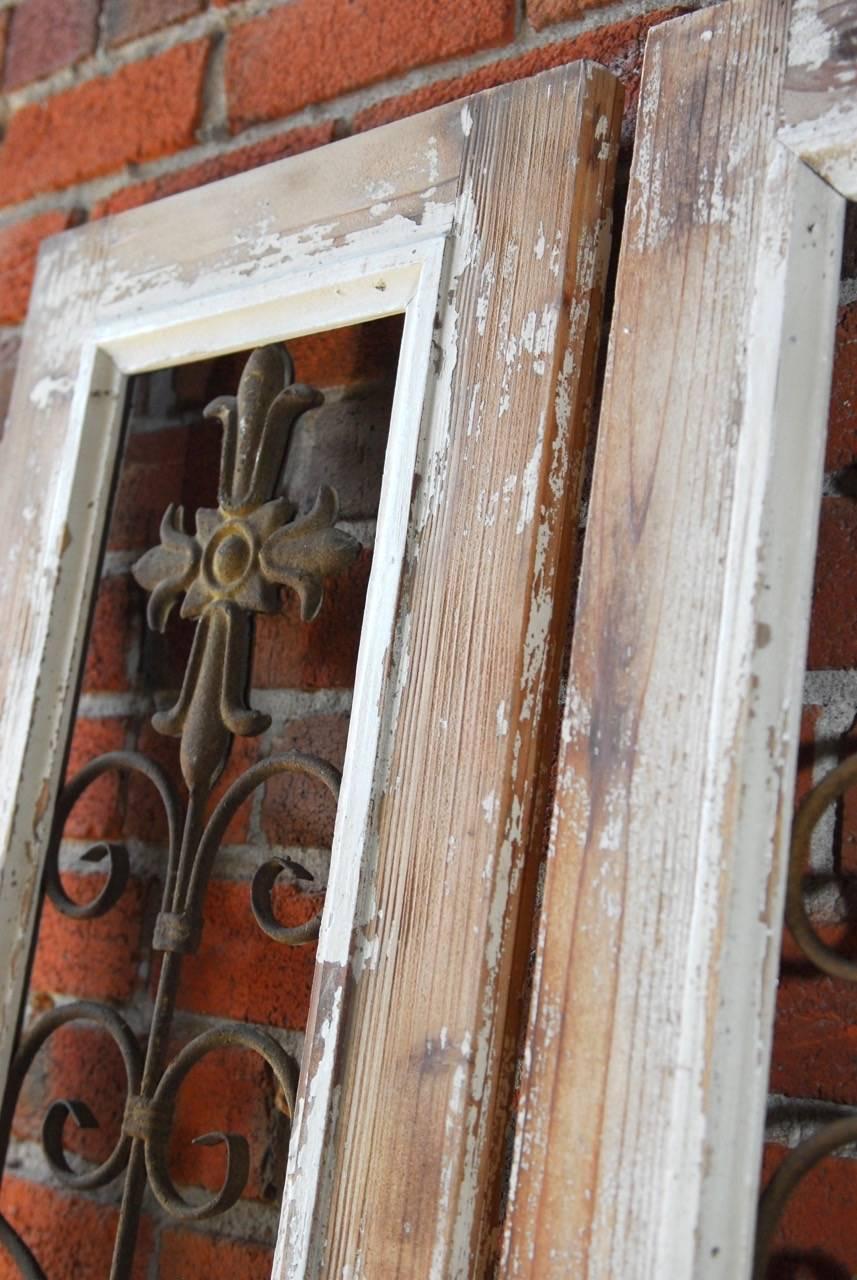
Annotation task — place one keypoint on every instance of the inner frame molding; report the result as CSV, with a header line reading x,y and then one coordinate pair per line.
x,y
487,223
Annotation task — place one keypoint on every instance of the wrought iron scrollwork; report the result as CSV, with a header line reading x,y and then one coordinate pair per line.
x,y
841,1132
65,1109
160,1110
230,568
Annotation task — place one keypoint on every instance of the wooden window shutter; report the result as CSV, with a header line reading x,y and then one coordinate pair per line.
x,y
492,237
640,1132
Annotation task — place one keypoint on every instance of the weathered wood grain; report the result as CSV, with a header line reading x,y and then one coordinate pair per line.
x,y
639,1137
485,222
413,1011
267,254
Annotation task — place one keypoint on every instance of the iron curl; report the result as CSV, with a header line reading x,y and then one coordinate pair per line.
x,y
296,762
237,1150
116,855
65,1109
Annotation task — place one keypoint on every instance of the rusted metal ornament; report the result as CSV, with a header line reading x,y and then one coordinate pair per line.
x,y
237,560
232,567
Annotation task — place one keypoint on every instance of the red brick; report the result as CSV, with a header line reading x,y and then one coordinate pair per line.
x,y
94,959
842,423
150,477
192,382
144,110
229,1091
299,810
70,1235
222,166
291,654
145,819
241,973
4,34
82,1063
815,1031
846,823
817,1236
190,1255
201,479
619,48
10,345
115,627
47,35
358,353
833,624
165,657
127,19
19,247
332,46
99,811
806,752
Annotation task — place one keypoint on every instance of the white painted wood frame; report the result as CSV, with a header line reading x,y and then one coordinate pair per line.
x,y
640,1132
485,223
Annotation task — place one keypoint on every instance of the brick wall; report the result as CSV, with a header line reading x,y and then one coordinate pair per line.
x,y
108,104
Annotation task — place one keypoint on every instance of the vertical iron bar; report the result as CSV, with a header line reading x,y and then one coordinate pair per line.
x,y
156,1047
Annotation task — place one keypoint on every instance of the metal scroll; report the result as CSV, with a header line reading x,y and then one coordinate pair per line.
x,y
840,1132
231,567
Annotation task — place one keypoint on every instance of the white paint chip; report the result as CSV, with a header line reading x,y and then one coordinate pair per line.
x,y
48,389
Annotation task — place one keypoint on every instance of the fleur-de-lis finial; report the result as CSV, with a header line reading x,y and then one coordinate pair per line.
x,y
237,560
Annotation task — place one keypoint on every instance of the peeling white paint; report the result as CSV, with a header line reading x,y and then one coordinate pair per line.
x,y
529,483
381,189
366,950
490,807
306,1146
811,42
49,389
455,1110
267,255
502,719
487,280
436,461
432,157
602,135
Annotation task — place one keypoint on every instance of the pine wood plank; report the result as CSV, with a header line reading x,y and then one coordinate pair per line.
x,y
639,1138
413,1018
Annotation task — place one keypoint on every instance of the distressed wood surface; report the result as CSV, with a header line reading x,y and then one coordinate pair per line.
x,y
819,100
266,255
412,1031
645,1072
197,274
485,223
